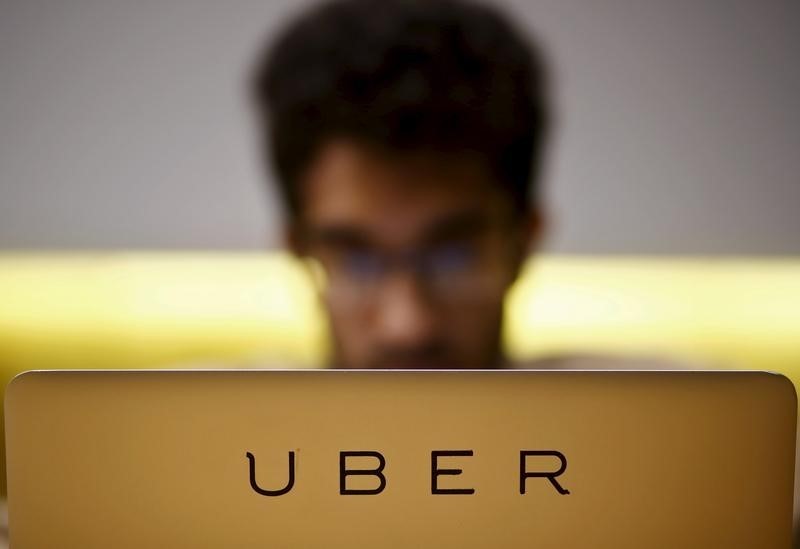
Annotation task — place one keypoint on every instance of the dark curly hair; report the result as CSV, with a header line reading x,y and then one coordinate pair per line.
x,y
440,75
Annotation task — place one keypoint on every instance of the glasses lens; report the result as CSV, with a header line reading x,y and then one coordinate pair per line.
x,y
462,271
449,272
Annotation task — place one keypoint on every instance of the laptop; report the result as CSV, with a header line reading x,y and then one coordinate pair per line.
x,y
381,459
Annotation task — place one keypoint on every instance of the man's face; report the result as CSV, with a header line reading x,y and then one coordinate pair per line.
x,y
417,252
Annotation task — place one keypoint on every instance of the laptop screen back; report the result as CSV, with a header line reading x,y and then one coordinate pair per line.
x,y
313,459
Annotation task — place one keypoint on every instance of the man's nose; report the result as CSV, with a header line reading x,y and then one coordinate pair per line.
x,y
406,316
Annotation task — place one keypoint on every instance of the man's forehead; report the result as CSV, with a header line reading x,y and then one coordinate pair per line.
x,y
398,197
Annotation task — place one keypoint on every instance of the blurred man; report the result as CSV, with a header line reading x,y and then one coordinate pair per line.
x,y
407,138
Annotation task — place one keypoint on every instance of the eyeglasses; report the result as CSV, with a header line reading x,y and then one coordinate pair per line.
x,y
448,272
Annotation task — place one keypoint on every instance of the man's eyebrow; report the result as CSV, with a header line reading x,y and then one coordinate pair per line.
x,y
464,224
340,236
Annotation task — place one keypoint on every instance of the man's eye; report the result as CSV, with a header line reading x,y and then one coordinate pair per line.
x,y
451,259
361,264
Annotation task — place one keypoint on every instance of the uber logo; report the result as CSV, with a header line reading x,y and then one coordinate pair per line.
x,y
436,471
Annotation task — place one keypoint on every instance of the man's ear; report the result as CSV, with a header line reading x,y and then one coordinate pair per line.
x,y
530,234
293,238
534,227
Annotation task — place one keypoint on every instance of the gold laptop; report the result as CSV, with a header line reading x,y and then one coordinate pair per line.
x,y
334,459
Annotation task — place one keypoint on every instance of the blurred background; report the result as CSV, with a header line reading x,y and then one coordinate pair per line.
x,y
124,125
136,228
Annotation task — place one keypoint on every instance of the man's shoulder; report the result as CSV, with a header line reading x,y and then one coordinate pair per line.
x,y
590,361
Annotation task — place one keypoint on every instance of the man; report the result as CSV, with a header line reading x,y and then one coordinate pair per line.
x,y
407,137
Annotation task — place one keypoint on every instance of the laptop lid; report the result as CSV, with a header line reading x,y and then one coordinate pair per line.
x,y
313,459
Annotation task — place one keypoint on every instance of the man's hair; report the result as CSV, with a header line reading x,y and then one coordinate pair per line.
x,y
445,76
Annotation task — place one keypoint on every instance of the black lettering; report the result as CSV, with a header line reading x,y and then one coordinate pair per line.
x,y
435,472
254,485
551,476
344,472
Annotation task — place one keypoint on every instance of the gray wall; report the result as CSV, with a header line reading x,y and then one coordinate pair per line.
x,y
122,124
